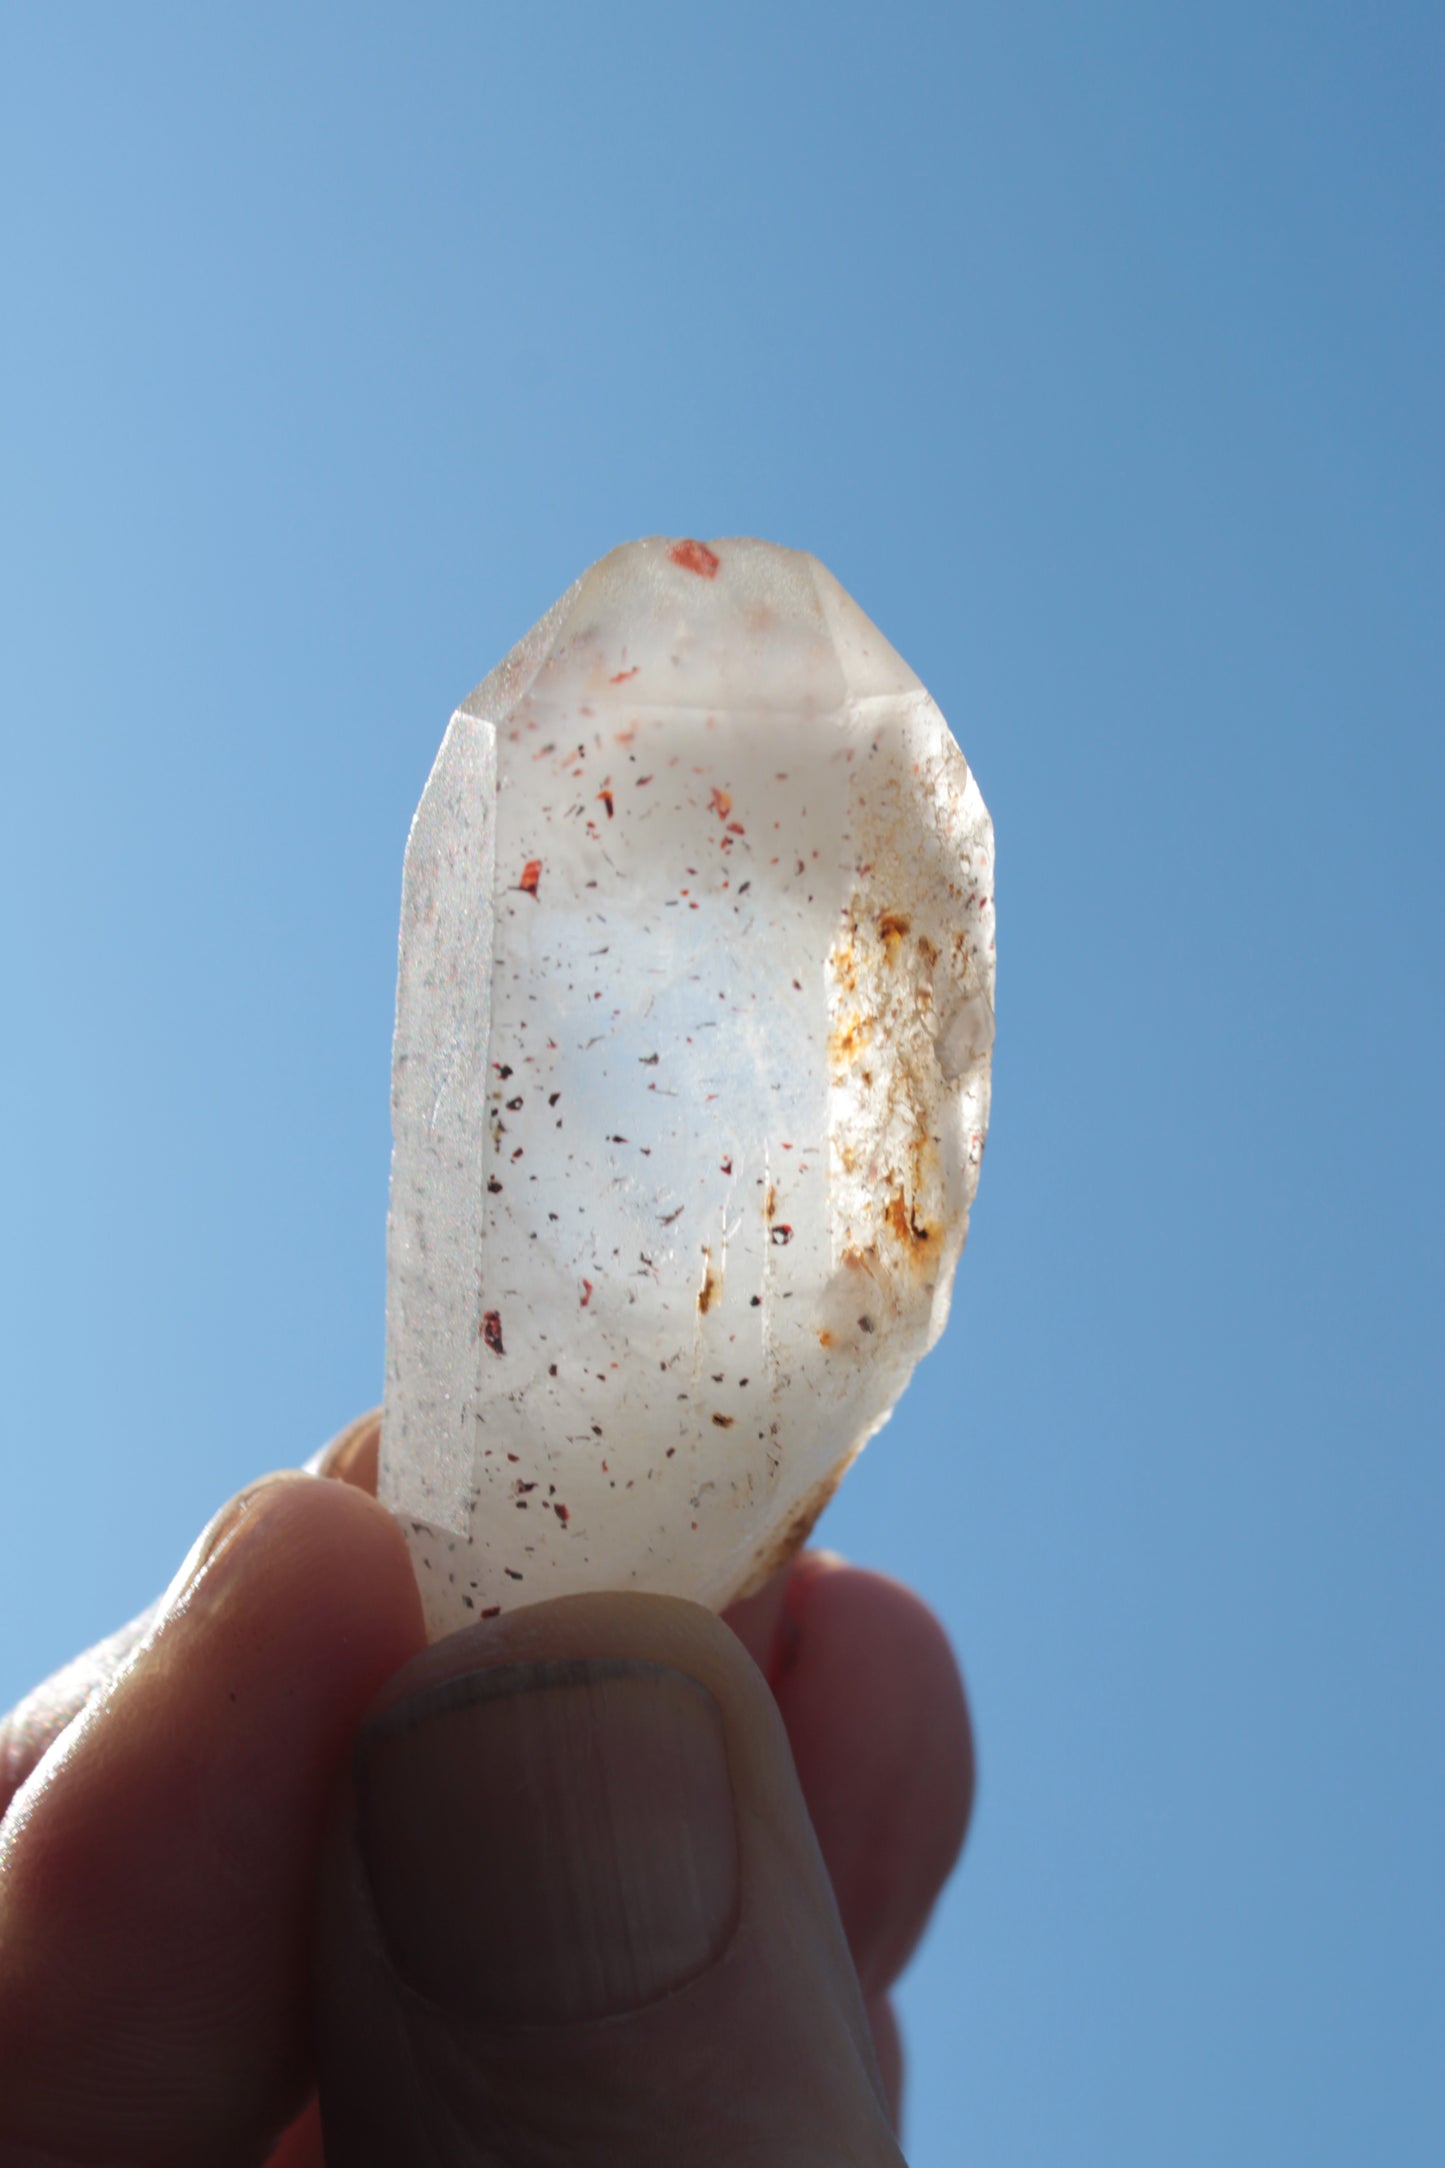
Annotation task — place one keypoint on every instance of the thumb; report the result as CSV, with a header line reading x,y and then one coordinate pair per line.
x,y
573,1910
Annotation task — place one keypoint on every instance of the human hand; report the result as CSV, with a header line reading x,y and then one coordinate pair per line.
x,y
573,1885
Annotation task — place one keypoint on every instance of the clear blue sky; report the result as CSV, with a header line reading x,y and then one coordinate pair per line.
x,y
1099,351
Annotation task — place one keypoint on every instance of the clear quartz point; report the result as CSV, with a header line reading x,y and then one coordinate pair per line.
x,y
693,1025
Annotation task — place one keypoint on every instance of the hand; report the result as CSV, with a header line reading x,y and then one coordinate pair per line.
x,y
563,1887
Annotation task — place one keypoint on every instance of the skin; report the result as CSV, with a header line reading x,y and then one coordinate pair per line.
x,y
186,1948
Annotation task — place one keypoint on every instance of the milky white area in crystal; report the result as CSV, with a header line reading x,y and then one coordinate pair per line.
x,y
694,1016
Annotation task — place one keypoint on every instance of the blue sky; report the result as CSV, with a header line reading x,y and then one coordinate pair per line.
x,y
1098,351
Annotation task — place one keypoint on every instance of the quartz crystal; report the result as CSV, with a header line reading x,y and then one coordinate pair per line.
x,y
694,1016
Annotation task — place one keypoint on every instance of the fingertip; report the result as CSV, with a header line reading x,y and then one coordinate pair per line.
x,y
875,1709
353,1455
571,1885
160,1864
327,1551
762,1621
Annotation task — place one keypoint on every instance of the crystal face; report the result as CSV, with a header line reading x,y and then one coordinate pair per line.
x,y
691,1076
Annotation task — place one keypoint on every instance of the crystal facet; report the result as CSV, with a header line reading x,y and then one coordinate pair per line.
x,y
694,1016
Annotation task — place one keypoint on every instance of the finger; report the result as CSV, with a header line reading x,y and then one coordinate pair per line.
x,y
301,2145
572,1908
352,1455
756,1619
888,2047
34,1725
157,1868
878,1724
875,1710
